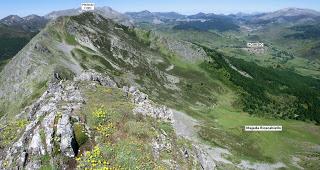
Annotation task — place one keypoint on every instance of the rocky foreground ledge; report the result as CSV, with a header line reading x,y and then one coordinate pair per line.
x,y
51,119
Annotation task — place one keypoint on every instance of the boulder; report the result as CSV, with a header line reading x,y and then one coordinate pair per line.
x,y
65,132
91,75
146,107
36,147
48,123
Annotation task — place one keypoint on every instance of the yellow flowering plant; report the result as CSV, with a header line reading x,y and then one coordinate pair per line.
x,y
106,129
93,160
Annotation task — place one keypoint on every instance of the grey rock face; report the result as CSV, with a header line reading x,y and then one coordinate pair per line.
x,y
184,49
23,159
36,147
48,124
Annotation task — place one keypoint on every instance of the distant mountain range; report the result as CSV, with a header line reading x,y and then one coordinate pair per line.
x,y
154,17
35,22
32,23
287,14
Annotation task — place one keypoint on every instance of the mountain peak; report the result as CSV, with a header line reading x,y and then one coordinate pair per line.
x,y
146,11
105,11
11,19
32,16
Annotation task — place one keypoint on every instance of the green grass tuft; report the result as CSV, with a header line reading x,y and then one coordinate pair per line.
x,y
80,134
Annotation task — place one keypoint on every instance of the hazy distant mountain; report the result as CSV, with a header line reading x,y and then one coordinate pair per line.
x,y
169,15
291,12
143,16
200,21
287,15
199,15
31,23
154,17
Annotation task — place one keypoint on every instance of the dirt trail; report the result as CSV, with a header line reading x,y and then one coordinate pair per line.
x,y
184,126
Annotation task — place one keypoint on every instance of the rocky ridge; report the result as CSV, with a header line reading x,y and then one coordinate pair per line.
x,y
51,119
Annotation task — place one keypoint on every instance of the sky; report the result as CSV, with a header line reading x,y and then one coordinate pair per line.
x,y
42,7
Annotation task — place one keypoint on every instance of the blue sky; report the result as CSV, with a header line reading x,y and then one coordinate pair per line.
x,y
41,7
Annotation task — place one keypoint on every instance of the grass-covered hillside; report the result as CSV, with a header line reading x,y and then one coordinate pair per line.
x,y
271,91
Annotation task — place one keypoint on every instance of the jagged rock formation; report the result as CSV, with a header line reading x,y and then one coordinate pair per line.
x,y
146,107
50,129
195,153
51,118
186,50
